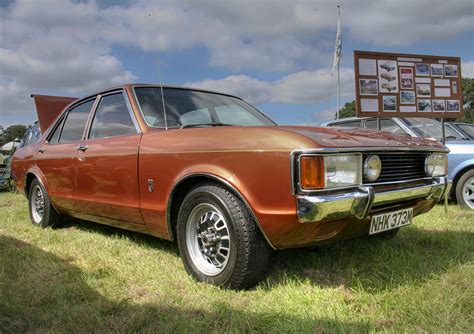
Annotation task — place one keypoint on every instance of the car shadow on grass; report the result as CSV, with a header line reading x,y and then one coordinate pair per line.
x,y
375,264
111,231
368,263
41,292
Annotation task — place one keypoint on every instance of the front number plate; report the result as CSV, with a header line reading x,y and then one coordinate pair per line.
x,y
390,220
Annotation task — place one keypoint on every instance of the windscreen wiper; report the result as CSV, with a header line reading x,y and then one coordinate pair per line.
x,y
205,124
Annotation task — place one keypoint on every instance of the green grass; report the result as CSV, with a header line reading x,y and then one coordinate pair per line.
x,y
85,277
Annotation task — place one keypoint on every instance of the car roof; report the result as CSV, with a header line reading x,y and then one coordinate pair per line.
x,y
133,85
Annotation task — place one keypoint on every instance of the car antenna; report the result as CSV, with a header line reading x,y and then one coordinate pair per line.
x,y
162,95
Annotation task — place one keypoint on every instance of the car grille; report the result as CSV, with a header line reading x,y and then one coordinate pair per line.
x,y
400,166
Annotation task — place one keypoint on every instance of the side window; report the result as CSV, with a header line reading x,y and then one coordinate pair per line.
x,y
390,126
75,122
55,136
371,124
112,118
352,124
387,125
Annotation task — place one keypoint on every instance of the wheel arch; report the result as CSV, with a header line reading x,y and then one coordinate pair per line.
x,y
32,174
457,176
182,187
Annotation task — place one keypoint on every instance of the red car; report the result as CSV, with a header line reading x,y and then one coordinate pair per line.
x,y
213,173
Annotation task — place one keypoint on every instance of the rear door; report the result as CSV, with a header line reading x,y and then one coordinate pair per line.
x,y
56,158
107,164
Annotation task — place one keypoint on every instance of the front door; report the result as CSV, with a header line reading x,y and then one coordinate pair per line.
x,y
107,164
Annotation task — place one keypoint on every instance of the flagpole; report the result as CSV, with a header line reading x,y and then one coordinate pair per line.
x,y
338,92
338,87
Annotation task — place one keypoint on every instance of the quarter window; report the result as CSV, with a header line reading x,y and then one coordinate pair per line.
x,y
112,118
75,122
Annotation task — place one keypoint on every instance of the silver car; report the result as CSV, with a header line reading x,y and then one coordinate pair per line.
x,y
460,157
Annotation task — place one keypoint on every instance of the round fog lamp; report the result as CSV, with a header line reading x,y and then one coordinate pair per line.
x,y
372,167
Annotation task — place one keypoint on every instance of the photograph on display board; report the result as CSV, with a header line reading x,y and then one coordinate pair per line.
x,y
450,70
439,105
407,97
388,76
422,69
424,105
423,90
436,70
406,78
368,86
453,106
389,103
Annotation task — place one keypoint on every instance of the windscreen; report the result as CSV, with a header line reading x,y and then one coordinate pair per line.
x,y
188,107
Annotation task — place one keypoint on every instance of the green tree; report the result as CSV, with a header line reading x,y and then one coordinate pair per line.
x,y
349,110
11,133
468,100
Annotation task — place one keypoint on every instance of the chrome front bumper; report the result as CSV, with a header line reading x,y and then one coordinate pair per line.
x,y
359,202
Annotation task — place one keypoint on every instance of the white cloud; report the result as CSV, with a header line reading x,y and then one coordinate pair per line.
x,y
301,87
467,69
64,46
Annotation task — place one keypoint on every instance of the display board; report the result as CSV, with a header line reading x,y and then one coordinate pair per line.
x,y
407,85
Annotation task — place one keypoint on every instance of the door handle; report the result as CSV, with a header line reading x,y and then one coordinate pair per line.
x,y
82,148
42,149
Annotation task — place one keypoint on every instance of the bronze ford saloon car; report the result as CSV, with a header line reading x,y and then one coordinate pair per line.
x,y
213,173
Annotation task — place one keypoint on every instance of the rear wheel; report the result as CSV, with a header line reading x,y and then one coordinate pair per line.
x,y
465,190
42,212
218,240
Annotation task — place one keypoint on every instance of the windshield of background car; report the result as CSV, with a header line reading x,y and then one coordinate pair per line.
x,y
187,107
431,128
469,129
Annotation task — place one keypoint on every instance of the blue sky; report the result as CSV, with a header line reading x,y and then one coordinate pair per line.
x,y
275,54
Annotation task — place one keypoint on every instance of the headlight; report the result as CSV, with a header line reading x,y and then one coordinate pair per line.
x,y
330,171
436,164
372,167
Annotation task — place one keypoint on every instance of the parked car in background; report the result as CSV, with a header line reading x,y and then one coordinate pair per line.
x,y
215,174
32,134
464,129
460,157
6,152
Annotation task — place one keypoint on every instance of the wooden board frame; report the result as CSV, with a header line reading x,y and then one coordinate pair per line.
x,y
415,59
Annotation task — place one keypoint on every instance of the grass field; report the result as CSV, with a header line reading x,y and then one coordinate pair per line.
x,y
85,277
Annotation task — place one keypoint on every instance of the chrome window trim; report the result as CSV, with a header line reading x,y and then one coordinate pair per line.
x,y
294,176
96,106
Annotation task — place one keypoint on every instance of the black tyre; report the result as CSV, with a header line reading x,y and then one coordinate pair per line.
x,y
465,190
218,239
42,213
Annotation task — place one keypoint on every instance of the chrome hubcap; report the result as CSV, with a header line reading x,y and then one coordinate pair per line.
x,y
37,204
208,239
468,192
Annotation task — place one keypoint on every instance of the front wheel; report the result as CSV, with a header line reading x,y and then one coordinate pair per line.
x,y
465,190
218,239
